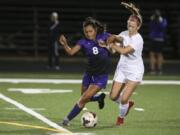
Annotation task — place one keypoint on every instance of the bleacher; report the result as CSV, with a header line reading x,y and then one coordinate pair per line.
x,y
24,24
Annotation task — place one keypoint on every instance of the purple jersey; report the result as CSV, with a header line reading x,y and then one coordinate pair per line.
x,y
98,57
158,30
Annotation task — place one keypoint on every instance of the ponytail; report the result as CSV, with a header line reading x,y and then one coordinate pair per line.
x,y
134,10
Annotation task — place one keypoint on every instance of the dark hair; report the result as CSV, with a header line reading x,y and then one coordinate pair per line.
x,y
94,23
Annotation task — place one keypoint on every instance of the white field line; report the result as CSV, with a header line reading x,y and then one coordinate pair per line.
x,y
56,81
74,134
107,92
139,109
39,90
70,81
34,109
35,114
164,82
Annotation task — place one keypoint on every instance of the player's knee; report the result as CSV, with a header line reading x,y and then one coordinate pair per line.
x,y
112,97
81,103
84,99
124,100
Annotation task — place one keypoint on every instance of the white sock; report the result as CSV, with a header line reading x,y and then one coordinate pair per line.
x,y
123,109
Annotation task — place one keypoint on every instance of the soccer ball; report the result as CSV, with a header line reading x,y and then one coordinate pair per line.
x,y
89,119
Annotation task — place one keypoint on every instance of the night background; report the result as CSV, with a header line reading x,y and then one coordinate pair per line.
x,y
24,28
25,76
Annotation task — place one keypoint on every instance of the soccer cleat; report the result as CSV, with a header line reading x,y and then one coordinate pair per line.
x,y
101,102
119,121
131,103
65,122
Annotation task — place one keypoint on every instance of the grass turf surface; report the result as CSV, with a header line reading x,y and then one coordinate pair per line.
x,y
161,104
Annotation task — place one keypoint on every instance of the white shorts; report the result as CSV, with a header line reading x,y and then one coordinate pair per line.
x,y
123,77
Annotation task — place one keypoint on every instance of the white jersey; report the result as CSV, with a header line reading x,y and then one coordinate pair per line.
x,y
132,62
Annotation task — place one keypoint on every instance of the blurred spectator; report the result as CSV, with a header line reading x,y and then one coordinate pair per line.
x,y
178,36
53,47
157,34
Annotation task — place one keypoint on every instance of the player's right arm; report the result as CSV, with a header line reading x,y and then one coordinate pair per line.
x,y
69,50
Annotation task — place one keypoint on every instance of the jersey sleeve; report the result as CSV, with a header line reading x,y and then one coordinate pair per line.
x,y
103,36
107,35
80,43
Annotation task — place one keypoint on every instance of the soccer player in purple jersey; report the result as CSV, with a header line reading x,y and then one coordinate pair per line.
x,y
96,75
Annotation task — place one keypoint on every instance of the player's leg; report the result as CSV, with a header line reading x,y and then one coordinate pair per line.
x,y
101,81
160,58
133,80
128,91
152,57
117,86
125,104
56,56
76,109
116,90
116,95
83,89
50,56
90,86
86,96
98,97
152,60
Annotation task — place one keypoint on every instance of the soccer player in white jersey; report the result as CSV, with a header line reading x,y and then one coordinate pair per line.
x,y
130,68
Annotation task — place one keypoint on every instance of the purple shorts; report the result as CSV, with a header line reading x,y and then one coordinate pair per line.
x,y
99,80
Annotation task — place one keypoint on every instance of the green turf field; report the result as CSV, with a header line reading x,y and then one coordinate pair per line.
x,y
160,103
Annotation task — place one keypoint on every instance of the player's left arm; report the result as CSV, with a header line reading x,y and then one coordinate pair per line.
x,y
105,45
114,38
